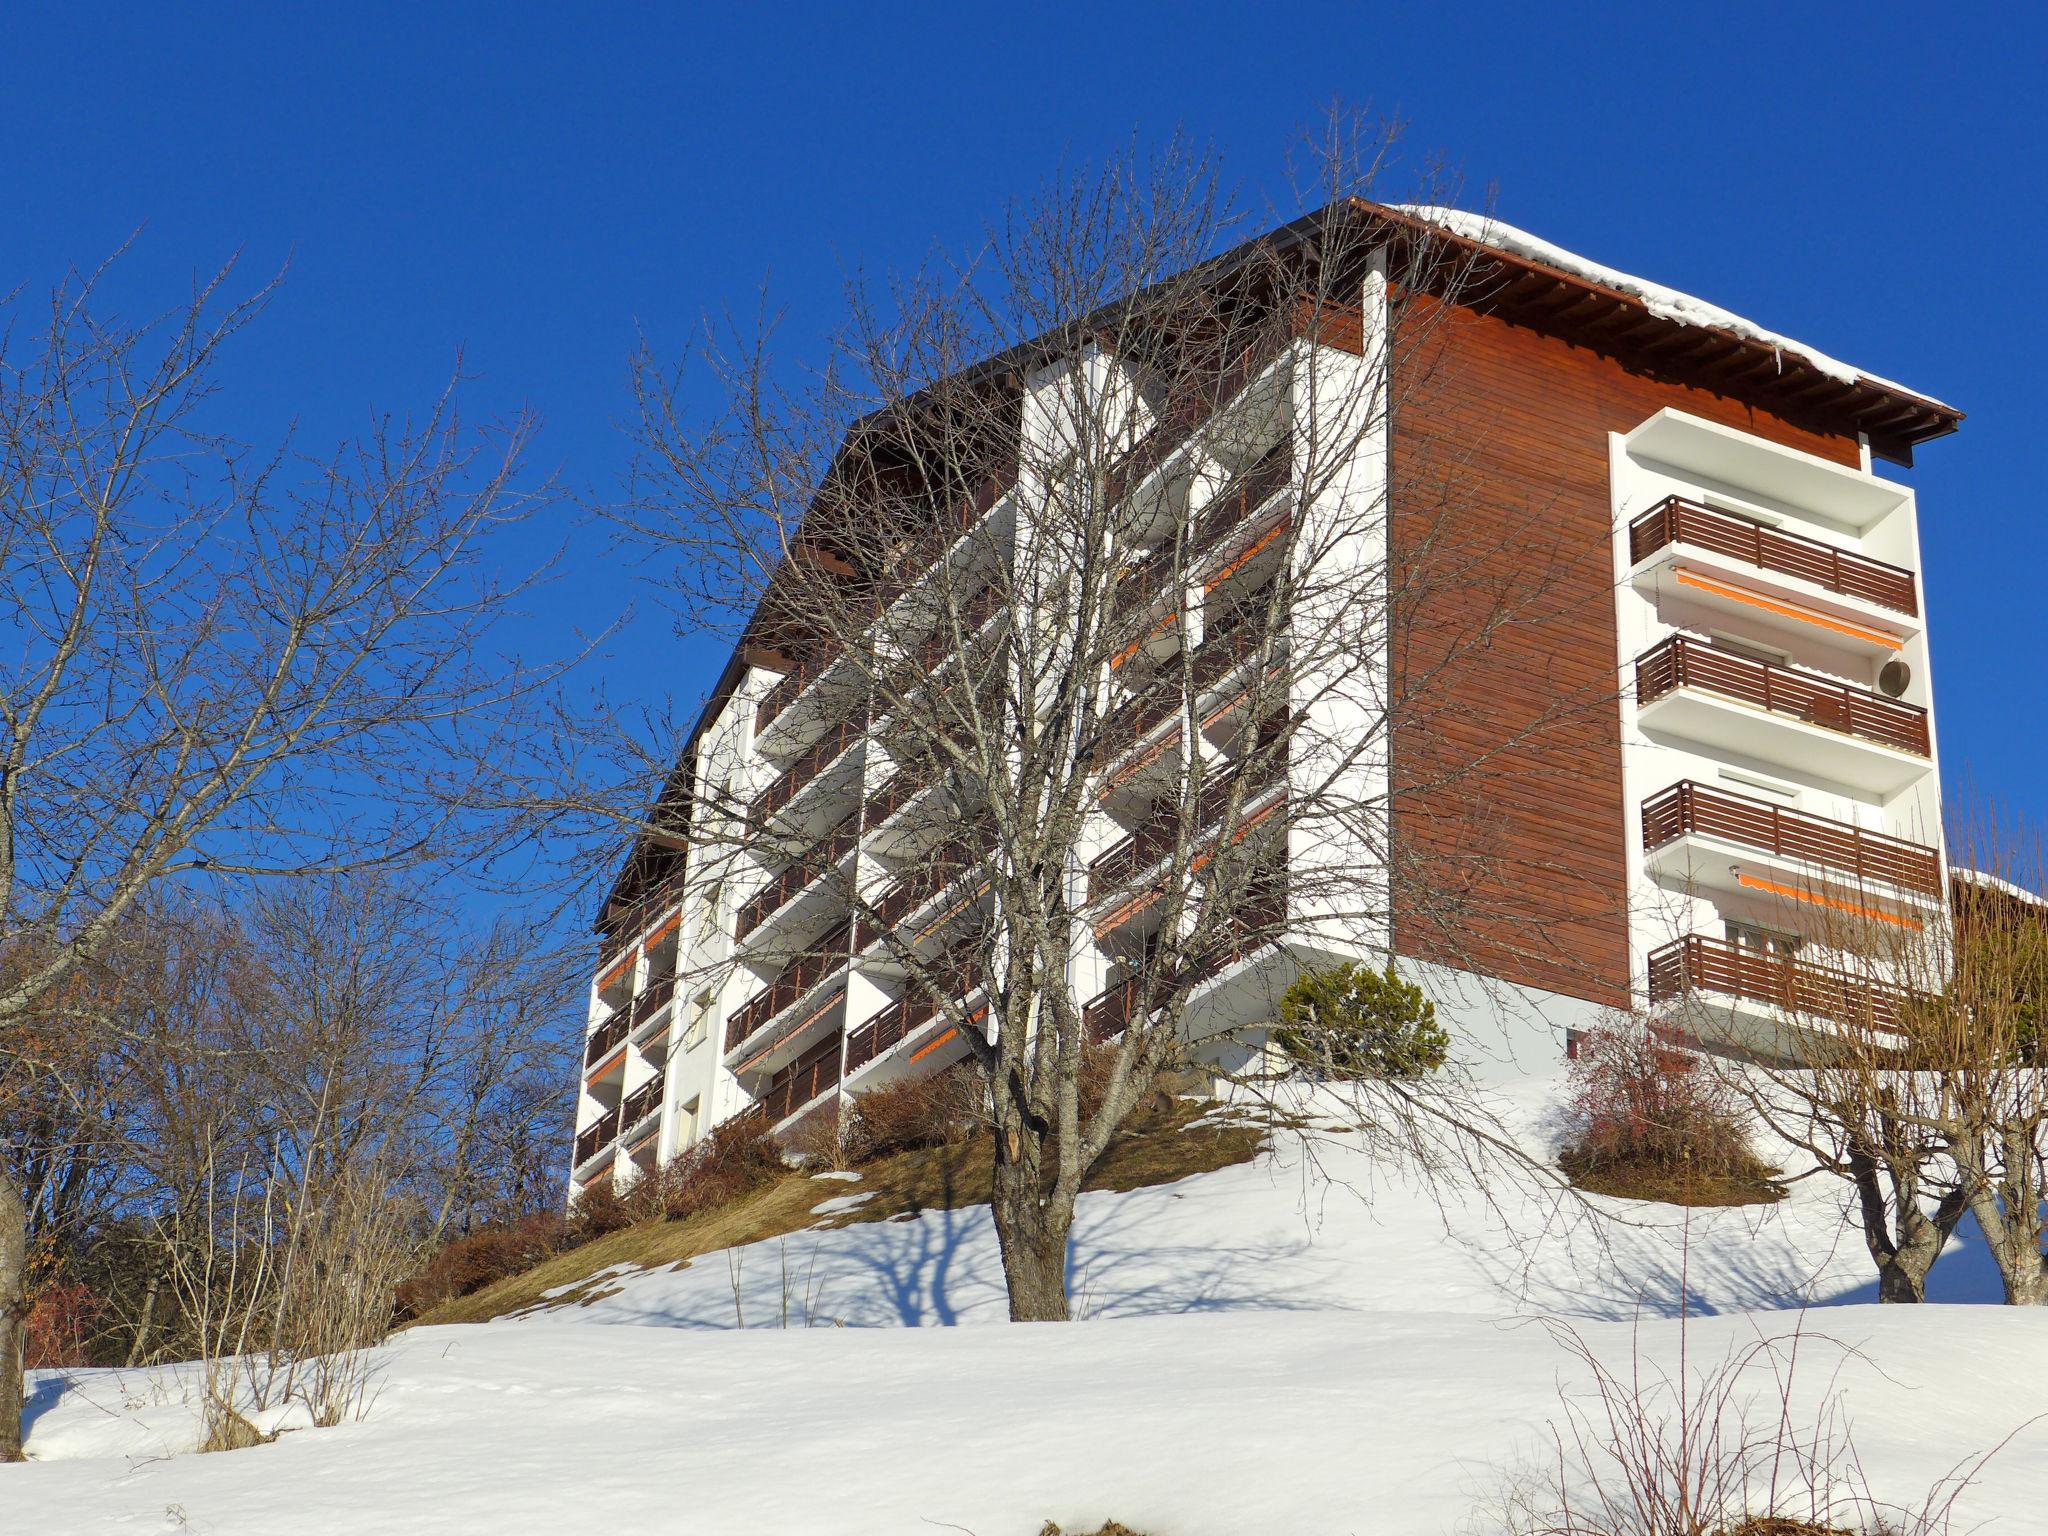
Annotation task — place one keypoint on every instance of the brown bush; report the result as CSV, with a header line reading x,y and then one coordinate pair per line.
x,y
473,1261
936,1110
735,1159
1648,1119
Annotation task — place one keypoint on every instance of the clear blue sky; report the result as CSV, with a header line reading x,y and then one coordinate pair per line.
x,y
530,182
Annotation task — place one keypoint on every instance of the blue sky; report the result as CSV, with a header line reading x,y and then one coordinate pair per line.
x,y
531,183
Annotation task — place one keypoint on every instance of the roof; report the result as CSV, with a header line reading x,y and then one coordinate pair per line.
x,y
1532,282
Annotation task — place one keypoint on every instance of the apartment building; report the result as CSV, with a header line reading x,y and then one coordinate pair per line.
x,y
1706,739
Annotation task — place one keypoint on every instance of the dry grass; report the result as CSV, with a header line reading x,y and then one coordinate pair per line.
x,y
1668,1185
1157,1149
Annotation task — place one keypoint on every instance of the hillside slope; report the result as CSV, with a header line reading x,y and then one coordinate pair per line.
x,y
1265,1351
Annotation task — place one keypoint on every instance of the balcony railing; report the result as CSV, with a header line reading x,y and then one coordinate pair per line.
x,y
606,1036
1259,915
1801,989
1237,501
597,1138
902,895
822,754
796,979
1152,841
1681,662
900,1020
1225,513
786,691
796,876
640,1103
1675,520
653,1000
802,1080
1691,808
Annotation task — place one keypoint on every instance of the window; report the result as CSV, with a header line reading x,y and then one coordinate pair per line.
x,y
1761,940
1757,785
1749,649
686,1125
700,1019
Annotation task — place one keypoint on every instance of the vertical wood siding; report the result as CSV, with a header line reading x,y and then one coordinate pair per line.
x,y
1508,823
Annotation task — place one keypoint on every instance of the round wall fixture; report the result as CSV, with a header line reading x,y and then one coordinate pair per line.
x,y
1893,678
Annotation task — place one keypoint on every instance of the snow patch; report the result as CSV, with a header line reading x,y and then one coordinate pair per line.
x,y
840,1203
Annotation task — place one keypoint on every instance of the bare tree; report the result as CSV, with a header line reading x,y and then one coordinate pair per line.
x,y
1088,553
1918,1076
229,664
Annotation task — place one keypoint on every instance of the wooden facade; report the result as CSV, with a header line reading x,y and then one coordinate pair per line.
x,y
1509,826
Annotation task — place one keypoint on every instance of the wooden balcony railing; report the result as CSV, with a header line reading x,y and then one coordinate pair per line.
x,y
1682,662
597,1138
653,999
1675,520
802,1080
1225,647
822,754
1689,807
786,691
1257,920
796,979
901,896
900,1020
640,1103
1236,502
606,1036
1225,513
1138,850
1801,989
796,876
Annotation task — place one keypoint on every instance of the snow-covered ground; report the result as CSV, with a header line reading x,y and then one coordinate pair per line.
x,y
1264,1351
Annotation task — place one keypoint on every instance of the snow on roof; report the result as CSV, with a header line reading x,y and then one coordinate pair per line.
x,y
1979,878
1665,303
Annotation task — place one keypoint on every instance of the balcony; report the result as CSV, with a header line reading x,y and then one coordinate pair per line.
x,y
776,701
1255,925
795,877
1738,546
641,1104
1795,994
796,1085
651,1001
1780,714
597,1139
795,982
605,1039
1137,851
900,1020
827,750
1239,501
1223,515
1689,832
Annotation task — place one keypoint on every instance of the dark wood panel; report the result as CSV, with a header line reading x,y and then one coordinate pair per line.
x,y
1509,826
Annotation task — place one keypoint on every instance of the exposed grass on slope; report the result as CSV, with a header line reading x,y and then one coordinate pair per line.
x,y
1667,1185
1162,1145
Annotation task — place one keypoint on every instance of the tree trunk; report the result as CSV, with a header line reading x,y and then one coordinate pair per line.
x,y
1900,1281
1032,1231
139,1349
13,1314
2014,1245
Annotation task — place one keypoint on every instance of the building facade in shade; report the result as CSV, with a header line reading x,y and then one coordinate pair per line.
x,y
1705,737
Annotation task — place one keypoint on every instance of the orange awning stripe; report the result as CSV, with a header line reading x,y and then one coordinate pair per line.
x,y
1686,578
1797,893
925,1050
